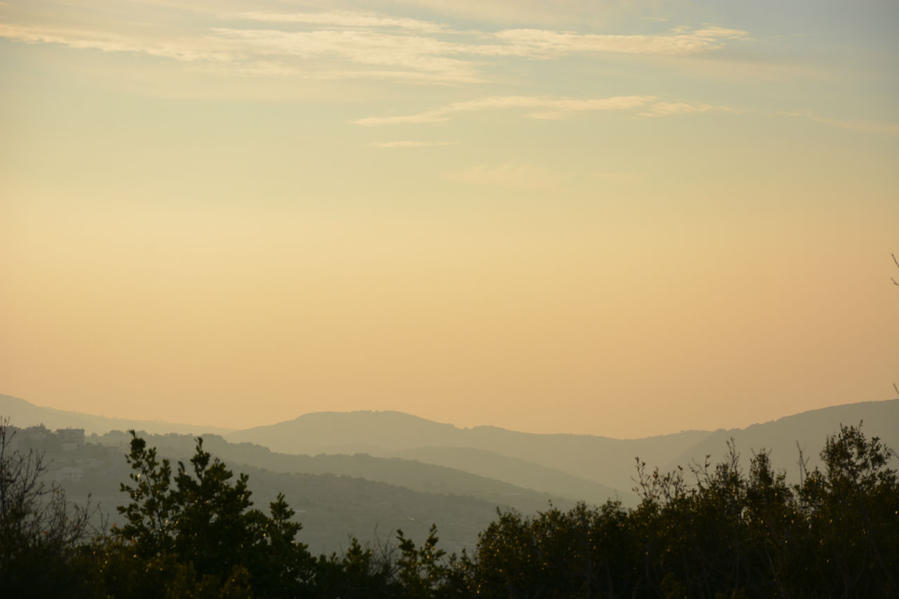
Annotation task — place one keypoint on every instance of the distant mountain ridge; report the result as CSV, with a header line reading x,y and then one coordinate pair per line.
x,y
363,431
574,466
331,507
517,472
23,414
411,474
602,460
783,438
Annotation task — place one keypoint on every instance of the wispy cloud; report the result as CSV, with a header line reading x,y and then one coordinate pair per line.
x,y
538,107
542,107
343,19
659,109
408,53
537,43
410,144
180,49
555,13
351,44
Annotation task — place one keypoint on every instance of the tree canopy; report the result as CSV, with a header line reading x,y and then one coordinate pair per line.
x,y
707,531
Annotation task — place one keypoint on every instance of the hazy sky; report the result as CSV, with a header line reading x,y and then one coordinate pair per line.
x,y
612,217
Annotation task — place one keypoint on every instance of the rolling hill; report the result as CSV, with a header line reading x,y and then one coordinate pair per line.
x,y
601,460
783,437
524,470
414,475
332,508
23,414
517,472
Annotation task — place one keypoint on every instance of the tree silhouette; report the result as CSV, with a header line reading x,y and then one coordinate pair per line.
x,y
192,532
39,528
729,534
200,535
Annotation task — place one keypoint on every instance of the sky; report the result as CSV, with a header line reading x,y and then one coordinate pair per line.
x,y
620,217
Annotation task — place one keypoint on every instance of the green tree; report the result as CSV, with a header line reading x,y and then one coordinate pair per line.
x,y
195,533
852,510
358,574
421,571
730,534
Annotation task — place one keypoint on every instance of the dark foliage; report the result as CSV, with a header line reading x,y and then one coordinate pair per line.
x,y
40,532
836,534
195,533
709,531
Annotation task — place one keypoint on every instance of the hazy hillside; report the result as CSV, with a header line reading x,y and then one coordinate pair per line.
x,y
414,475
599,459
517,472
520,492
331,508
523,470
350,432
22,413
807,429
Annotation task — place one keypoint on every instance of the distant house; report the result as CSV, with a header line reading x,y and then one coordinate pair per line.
x,y
70,438
35,435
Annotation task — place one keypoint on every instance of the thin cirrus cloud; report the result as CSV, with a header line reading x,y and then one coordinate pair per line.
x,y
547,108
659,109
178,49
356,47
541,107
537,43
344,19
533,43
406,53
350,44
